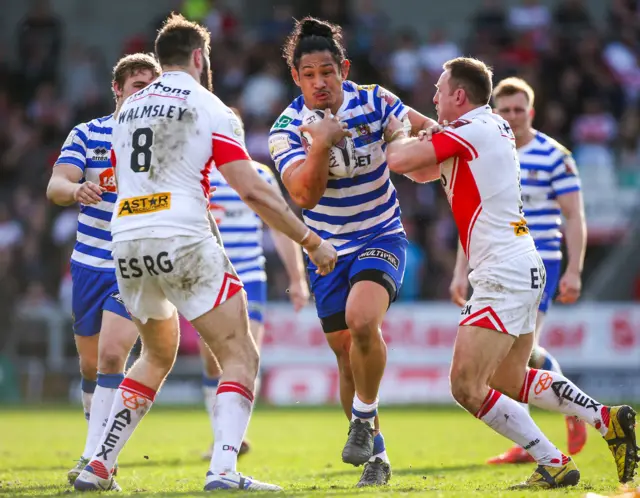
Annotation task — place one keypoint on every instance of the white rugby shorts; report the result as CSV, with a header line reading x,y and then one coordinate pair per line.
x,y
158,276
506,295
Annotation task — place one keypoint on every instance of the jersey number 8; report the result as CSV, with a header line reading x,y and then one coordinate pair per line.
x,y
142,140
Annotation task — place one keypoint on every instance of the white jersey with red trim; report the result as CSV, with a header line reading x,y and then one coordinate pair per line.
x,y
166,139
480,174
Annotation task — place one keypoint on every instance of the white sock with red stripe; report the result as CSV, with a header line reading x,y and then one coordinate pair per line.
x,y
231,415
553,391
508,418
131,403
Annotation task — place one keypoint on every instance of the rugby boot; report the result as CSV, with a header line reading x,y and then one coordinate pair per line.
x,y
547,477
376,473
576,435
95,477
621,438
359,446
515,454
236,481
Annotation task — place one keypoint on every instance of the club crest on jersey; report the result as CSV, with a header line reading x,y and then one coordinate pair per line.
x,y
390,258
458,123
108,180
520,228
144,204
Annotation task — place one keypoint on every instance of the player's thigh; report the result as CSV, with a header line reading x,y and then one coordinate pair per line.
x,y
210,364
330,294
160,339
375,278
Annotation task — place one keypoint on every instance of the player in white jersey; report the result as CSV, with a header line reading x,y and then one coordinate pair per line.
x,y
103,331
475,159
359,213
166,139
241,232
550,188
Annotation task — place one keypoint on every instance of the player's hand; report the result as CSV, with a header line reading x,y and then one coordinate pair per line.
x,y
427,133
570,287
394,129
459,289
324,256
327,131
88,193
298,294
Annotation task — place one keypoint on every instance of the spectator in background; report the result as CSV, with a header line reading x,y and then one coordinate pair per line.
x,y
490,21
621,55
85,74
368,23
264,92
404,63
572,18
11,233
277,27
438,49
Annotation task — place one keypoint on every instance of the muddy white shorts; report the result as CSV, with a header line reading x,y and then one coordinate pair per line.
x,y
506,295
156,276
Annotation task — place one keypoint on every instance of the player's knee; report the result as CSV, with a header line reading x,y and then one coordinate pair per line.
x,y
89,367
364,327
465,388
161,358
112,361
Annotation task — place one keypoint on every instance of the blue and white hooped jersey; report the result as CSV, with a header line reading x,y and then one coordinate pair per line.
x,y
88,147
240,228
355,209
547,170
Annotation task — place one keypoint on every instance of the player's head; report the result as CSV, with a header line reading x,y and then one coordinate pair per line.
x,y
132,73
464,85
185,45
513,100
318,63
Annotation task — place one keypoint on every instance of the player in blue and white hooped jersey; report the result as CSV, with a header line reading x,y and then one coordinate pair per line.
x,y
359,214
241,232
103,330
550,190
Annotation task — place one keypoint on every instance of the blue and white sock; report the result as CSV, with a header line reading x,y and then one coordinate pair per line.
x,y
107,385
379,450
549,363
209,389
363,411
88,387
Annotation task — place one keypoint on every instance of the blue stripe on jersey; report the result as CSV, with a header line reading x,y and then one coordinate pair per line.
x,y
73,148
70,160
81,134
94,144
96,213
355,200
535,182
100,129
240,245
98,233
361,216
373,137
109,197
228,229
542,226
540,152
298,103
566,191
542,212
93,251
358,180
360,120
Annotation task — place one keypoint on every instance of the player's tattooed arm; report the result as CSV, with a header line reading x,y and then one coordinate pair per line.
x,y
64,188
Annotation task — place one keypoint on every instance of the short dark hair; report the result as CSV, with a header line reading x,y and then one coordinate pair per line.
x,y
178,38
472,75
133,64
313,35
512,86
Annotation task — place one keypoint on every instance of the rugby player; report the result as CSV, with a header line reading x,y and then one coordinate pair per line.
x,y
166,140
102,327
241,232
475,159
550,188
359,214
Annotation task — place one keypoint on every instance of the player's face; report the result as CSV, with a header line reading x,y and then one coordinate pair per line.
x,y
444,99
135,82
518,112
320,80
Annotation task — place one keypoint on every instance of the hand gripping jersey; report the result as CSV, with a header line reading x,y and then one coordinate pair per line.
x,y
88,147
240,228
547,172
166,140
354,210
480,174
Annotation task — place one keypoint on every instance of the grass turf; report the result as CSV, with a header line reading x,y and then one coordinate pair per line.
x,y
435,452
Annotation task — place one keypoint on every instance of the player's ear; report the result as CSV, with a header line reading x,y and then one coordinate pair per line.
x,y
345,65
532,113
197,58
117,91
296,76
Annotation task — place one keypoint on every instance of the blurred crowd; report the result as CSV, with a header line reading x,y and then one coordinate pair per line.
x,y
586,75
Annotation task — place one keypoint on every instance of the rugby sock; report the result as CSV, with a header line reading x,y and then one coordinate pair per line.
x,y
363,411
100,409
507,417
231,415
379,450
88,387
131,403
209,388
553,391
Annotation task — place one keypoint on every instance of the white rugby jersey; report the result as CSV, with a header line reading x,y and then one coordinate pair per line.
x,y
240,228
88,147
167,138
481,177
547,171
352,210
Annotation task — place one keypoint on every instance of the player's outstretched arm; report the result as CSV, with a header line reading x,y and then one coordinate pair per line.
x,y
306,180
64,188
274,210
410,156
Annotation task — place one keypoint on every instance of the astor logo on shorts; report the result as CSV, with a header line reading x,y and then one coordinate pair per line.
x,y
390,258
144,204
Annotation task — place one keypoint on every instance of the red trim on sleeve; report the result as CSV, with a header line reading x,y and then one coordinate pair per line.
x,y
113,158
446,147
226,150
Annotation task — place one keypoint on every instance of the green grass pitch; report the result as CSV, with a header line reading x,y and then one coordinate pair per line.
x,y
434,452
